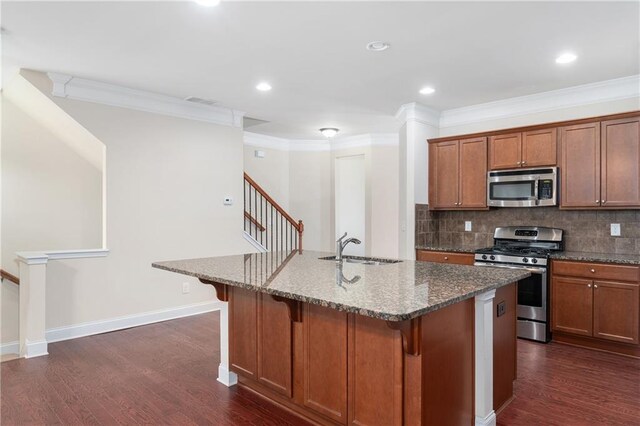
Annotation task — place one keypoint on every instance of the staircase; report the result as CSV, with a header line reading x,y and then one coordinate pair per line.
x,y
267,224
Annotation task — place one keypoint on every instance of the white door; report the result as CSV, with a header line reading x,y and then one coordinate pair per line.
x,y
350,201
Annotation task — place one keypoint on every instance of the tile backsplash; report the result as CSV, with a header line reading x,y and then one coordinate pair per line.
x,y
585,231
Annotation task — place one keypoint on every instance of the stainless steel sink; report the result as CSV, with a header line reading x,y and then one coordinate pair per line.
x,y
363,260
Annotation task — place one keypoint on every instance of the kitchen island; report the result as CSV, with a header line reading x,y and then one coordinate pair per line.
x,y
351,343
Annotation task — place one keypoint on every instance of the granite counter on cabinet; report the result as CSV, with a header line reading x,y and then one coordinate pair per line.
x,y
623,259
391,292
450,249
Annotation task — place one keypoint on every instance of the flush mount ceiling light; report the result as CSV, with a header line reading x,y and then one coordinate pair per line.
x,y
427,90
378,46
263,87
329,132
208,3
566,58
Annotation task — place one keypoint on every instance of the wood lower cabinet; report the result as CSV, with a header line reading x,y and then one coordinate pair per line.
x,y
505,351
325,362
445,257
243,332
458,174
274,345
572,305
597,306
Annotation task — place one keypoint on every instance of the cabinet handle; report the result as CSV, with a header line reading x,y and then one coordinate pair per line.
x,y
519,162
524,162
595,286
593,271
604,201
589,285
597,201
446,258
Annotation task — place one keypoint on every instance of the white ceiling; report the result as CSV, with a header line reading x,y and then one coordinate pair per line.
x,y
314,56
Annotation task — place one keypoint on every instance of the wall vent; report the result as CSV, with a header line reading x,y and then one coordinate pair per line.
x,y
198,100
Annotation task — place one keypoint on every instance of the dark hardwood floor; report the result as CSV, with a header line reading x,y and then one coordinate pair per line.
x,y
165,374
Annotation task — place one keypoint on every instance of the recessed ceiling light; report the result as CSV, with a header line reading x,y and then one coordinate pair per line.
x,y
427,90
378,46
329,132
263,87
566,58
208,3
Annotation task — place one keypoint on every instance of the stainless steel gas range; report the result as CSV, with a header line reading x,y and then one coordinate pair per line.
x,y
526,247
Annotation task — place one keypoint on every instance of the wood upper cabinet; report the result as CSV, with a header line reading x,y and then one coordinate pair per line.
x,y
527,149
539,148
458,174
580,165
505,151
571,304
620,154
615,311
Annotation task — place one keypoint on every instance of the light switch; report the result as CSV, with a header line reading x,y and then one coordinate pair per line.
x,y
615,229
467,225
259,154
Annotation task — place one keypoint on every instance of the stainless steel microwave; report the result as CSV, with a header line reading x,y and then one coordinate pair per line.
x,y
523,187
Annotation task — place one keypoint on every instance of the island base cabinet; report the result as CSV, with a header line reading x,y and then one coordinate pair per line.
x,y
337,368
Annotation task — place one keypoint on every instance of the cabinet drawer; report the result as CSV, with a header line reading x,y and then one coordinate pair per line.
x,y
445,257
596,271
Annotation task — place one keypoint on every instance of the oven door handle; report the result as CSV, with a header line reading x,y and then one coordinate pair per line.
x,y
526,268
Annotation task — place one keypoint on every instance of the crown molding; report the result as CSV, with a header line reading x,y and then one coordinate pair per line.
x,y
415,112
300,145
66,86
586,94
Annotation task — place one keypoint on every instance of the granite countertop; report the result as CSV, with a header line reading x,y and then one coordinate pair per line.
x,y
627,259
447,248
392,292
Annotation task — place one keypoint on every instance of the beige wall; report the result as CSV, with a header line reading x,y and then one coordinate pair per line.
x,y
270,172
166,180
384,201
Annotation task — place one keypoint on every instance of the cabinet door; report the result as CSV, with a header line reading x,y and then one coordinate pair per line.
x,y
505,151
580,170
473,173
615,311
243,348
443,175
325,362
539,148
572,306
275,357
621,163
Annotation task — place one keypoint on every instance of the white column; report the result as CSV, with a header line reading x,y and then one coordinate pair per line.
x,y
484,359
33,268
225,376
418,124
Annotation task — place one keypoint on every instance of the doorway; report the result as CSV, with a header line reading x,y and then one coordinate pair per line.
x,y
350,205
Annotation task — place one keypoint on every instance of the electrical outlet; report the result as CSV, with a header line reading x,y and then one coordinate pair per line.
x,y
502,308
467,225
186,287
615,229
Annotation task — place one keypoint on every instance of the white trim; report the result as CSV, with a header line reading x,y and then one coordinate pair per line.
x,y
489,420
417,112
40,257
81,89
226,376
34,349
128,321
586,94
254,242
10,348
301,145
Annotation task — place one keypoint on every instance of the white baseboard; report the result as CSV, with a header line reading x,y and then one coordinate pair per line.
x,y
10,348
119,323
255,243
107,325
489,420
226,377
34,349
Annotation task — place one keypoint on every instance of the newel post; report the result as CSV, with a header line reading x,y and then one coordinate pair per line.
x,y
300,232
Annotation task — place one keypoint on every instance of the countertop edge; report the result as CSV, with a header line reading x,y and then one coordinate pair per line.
x,y
385,316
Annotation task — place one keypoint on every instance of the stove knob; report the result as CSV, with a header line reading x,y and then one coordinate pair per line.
x,y
534,260
525,260
492,257
484,257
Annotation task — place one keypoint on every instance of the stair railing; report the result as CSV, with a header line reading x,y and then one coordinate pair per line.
x,y
267,222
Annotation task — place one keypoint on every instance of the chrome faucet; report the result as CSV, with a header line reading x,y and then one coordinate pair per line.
x,y
340,245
